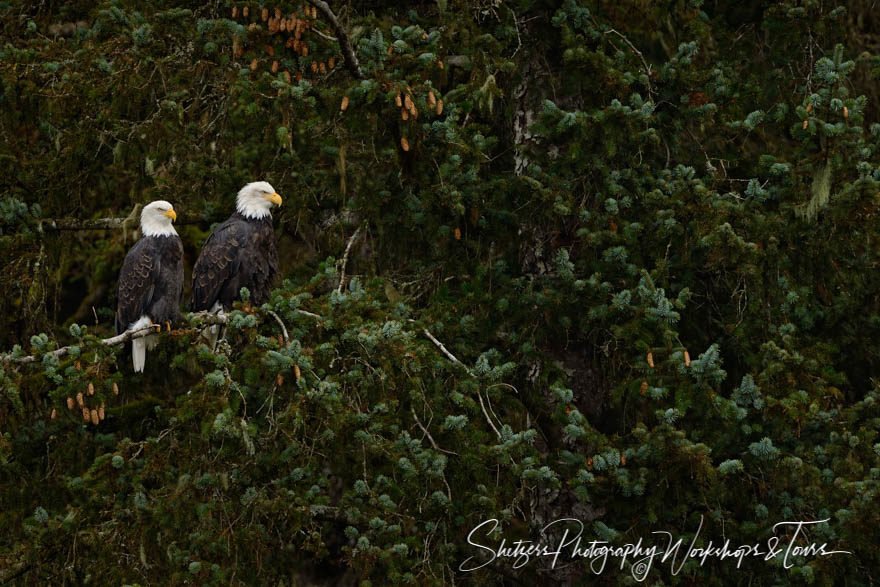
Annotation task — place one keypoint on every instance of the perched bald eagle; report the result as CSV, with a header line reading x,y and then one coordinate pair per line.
x,y
239,253
150,286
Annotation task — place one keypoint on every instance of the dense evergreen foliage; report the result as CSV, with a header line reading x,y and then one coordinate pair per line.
x,y
611,261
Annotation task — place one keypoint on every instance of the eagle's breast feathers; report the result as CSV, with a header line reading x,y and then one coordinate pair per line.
x,y
239,253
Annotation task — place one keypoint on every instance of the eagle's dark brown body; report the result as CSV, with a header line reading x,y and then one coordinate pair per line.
x,y
150,282
239,253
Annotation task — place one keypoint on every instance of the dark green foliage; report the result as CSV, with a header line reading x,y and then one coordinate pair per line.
x,y
643,233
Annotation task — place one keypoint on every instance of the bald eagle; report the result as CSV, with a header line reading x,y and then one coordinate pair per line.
x,y
239,253
150,286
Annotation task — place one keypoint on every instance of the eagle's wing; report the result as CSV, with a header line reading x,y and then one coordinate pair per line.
x,y
216,265
136,284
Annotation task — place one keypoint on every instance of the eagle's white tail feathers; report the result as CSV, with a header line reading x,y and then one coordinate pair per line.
x,y
138,354
139,346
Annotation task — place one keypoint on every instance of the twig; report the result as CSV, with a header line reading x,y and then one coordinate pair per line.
x,y
485,413
348,53
281,324
434,444
503,385
453,358
446,352
325,36
639,53
518,37
428,434
305,313
491,409
345,259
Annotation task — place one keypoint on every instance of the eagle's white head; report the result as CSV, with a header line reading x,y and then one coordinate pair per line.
x,y
255,200
156,219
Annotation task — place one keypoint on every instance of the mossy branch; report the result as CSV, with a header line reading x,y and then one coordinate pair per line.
x,y
119,339
72,224
345,259
204,318
60,352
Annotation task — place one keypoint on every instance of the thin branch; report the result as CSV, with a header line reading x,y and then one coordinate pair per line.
x,y
281,324
434,444
77,224
348,53
503,385
641,56
325,36
428,434
446,352
454,359
63,224
305,313
345,259
485,413
518,37
489,401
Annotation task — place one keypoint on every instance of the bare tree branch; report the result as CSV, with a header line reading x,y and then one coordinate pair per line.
x,y
311,314
202,318
325,36
454,359
485,413
446,352
281,324
77,224
63,351
428,434
641,56
345,259
64,224
117,340
351,60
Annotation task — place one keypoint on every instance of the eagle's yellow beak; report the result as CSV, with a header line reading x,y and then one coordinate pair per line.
x,y
274,198
170,214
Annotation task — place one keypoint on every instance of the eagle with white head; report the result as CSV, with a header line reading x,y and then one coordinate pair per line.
x,y
150,286
239,253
